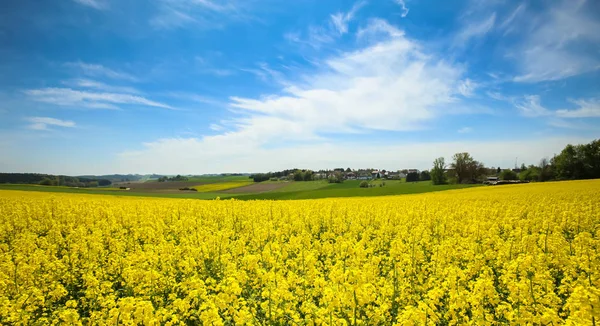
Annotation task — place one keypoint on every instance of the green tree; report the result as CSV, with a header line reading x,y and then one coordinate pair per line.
x,y
532,173
308,175
466,168
438,175
298,175
546,170
412,177
47,182
508,175
336,177
425,176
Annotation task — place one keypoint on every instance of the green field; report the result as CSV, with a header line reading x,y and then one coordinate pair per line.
x,y
291,190
350,188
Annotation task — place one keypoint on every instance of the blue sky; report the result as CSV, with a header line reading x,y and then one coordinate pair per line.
x,y
205,86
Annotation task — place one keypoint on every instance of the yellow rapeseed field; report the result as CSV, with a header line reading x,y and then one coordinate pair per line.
x,y
522,255
212,187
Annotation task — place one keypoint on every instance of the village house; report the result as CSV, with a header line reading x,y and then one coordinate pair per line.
x,y
350,176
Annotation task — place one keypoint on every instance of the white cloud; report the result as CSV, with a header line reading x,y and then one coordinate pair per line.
x,y
96,4
92,84
209,14
587,108
561,43
507,25
88,99
171,18
530,107
378,27
193,155
467,87
474,30
316,37
498,96
42,123
465,130
402,4
390,85
216,127
340,20
97,70
401,87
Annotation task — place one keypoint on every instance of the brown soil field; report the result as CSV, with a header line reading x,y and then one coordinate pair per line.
x,y
157,186
255,188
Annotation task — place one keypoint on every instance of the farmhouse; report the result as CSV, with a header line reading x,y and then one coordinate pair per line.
x,y
394,175
491,180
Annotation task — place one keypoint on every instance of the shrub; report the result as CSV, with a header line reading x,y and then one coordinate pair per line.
x,y
364,184
47,182
412,177
508,175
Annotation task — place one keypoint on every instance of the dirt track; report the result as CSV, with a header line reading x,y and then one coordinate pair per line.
x,y
256,188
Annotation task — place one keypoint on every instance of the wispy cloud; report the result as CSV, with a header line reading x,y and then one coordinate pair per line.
x,y
87,99
266,73
97,70
561,43
208,14
315,36
587,108
340,20
402,4
96,4
467,87
507,25
92,84
378,27
475,29
465,130
403,87
42,123
393,78
530,106
216,127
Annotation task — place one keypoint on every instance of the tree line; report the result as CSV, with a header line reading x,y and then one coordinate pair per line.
x,y
572,163
175,178
52,180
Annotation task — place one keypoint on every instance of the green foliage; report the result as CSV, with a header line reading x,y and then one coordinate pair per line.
x,y
47,182
438,174
466,168
51,180
412,177
425,176
336,177
364,184
578,162
508,175
532,173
